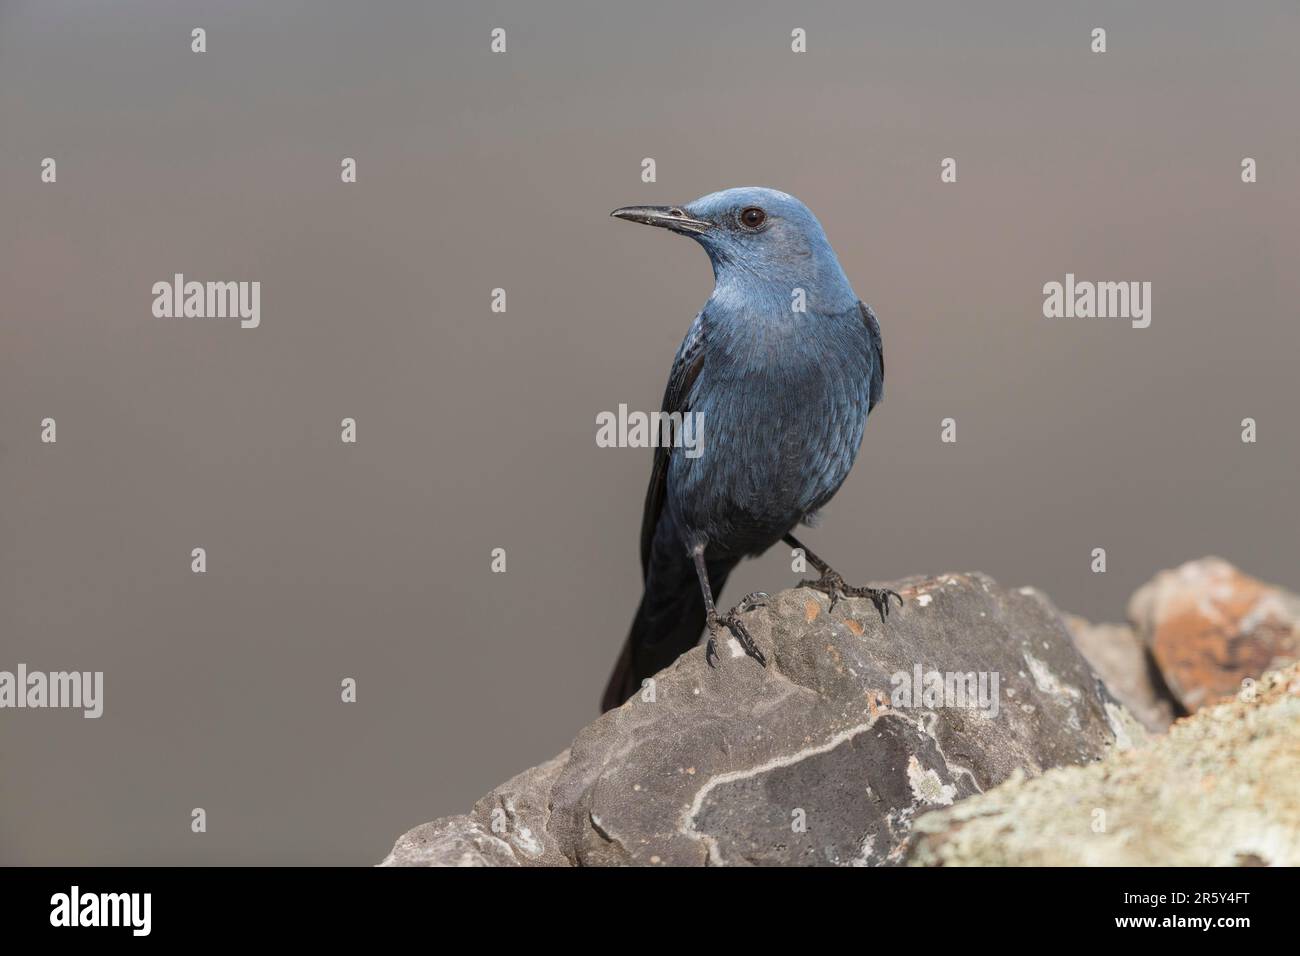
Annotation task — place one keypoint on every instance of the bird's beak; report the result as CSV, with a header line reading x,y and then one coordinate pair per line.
x,y
669,217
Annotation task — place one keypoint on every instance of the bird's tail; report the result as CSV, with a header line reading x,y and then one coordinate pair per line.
x,y
668,622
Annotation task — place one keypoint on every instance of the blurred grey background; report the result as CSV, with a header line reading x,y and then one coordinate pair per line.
x,y
476,430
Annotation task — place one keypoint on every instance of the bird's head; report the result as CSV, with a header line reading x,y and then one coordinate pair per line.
x,y
759,240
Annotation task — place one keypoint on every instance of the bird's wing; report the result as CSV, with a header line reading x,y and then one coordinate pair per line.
x,y
877,356
686,368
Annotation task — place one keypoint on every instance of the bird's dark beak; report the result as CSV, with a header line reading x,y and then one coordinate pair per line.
x,y
669,217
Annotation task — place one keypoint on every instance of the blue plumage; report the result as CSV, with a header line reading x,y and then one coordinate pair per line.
x,y
782,365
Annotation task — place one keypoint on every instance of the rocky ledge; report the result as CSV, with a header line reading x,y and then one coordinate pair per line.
x,y
970,727
1222,788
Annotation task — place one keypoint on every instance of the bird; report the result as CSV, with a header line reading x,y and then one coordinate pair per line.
x,y
780,368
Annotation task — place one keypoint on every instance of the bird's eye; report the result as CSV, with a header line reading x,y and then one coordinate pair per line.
x,y
753,217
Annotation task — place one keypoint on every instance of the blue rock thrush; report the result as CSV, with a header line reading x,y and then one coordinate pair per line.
x,y
780,369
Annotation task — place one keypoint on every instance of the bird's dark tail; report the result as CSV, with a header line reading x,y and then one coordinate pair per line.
x,y
669,622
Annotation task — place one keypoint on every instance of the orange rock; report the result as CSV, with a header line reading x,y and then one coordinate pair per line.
x,y
810,611
1209,627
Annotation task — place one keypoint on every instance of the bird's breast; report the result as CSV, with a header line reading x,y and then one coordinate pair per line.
x,y
779,430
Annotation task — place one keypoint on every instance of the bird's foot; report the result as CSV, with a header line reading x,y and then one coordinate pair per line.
x,y
731,621
833,586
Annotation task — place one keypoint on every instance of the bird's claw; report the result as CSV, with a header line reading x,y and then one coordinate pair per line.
x,y
731,621
879,597
833,586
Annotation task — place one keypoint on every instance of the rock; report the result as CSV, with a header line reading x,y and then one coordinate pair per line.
x,y
506,828
1209,627
817,759
1218,790
450,841
1129,672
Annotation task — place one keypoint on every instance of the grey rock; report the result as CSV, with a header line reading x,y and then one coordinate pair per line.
x,y
450,841
1124,664
1218,790
815,759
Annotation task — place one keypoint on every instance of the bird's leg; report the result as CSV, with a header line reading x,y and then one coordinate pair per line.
x,y
731,620
834,587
